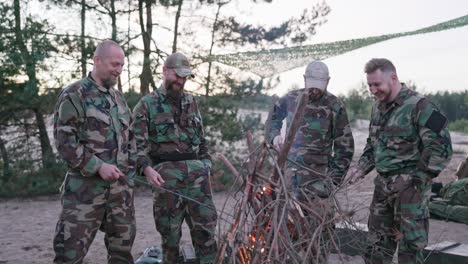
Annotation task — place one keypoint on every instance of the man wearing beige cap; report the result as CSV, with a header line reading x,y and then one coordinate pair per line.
x,y
322,149
172,149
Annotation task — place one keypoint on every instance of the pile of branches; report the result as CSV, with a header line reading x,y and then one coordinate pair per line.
x,y
269,223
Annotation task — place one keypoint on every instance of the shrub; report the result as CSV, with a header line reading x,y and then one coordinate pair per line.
x,y
460,125
26,182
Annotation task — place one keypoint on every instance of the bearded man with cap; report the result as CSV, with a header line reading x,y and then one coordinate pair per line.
x,y
171,144
323,146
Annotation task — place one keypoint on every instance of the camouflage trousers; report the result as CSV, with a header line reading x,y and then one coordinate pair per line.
x,y
318,211
88,204
399,216
191,179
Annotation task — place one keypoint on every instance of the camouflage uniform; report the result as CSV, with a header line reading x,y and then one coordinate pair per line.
x,y
323,143
408,145
462,170
453,204
92,127
170,137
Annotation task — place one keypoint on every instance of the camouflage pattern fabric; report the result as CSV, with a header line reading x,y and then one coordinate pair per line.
x,y
408,144
324,141
88,207
453,205
324,144
462,170
398,214
163,127
410,132
92,127
189,178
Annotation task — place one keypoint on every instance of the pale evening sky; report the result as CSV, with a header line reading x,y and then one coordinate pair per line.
x,y
434,62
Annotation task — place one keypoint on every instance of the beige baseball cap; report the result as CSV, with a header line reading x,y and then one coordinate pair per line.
x,y
180,64
316,75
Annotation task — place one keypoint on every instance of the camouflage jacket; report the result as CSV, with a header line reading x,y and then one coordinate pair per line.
x,y
408,133
324,137
462,170
92,127
165,127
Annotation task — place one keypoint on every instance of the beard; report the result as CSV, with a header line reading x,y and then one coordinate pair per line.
x,y
315,94
173,92
109,82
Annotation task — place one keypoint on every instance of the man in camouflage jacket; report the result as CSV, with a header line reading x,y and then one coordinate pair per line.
x,y
408,145
92,135
171,143
323,146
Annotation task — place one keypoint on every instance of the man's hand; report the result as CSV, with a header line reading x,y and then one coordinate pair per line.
x,y
355,174
153,177
110,172
278,142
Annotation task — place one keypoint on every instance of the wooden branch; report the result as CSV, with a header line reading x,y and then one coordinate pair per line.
x,y
251,147
282,157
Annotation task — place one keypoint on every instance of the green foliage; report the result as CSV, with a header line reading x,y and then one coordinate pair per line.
x,y
454,105
294,31
26,181
459,126
358,103
132,98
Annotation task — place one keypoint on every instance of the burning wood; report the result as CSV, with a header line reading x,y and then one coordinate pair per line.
x,y
271,225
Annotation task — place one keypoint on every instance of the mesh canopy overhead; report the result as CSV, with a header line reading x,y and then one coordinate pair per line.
x,y
266,63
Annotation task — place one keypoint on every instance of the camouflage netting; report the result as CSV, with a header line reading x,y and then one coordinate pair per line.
x,y
266,63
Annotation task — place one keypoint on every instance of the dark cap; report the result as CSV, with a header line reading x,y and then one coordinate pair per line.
x,y
180,64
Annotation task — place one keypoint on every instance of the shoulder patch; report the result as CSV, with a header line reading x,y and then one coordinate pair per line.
x,y
436,122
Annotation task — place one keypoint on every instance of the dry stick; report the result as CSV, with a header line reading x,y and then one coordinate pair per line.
x,y
240,218
283,230
250,145
271,207
268,122
332,239
265,178
230,235
259,167
283,190
277,174
283,154
261,159
258,211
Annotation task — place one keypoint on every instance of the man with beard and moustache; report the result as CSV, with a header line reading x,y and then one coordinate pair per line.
x,y
171,143
408,145
322,149
92,134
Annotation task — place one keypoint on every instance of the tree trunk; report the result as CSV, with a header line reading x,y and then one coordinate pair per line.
x,y
31,87
113,16
6,160
146,77
83,41
210,63
176,26
47,154
127,54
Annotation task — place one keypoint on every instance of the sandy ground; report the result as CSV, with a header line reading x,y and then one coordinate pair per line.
x,y
27,225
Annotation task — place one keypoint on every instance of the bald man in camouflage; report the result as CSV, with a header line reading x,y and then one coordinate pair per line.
x,y
323,146
92,135
171,143
408,145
